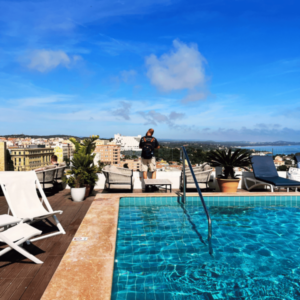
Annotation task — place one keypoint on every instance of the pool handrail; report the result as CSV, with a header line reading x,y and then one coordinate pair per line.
x,y
186,157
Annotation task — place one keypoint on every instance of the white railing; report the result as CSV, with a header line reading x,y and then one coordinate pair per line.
x,y
174,177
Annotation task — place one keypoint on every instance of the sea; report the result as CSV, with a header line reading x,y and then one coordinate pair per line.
x,y
287,150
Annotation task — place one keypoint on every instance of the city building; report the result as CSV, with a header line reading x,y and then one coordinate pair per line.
x,y
278,161
3,160
100,142
70,147
109,154
127,143
133,164
61,151
26,159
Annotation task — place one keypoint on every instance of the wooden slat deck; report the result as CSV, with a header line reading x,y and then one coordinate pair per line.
x,y
22,279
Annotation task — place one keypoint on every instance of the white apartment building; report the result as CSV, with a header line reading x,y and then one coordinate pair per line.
x,y
127,143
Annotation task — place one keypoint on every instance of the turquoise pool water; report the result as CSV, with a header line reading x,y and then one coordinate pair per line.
x,y
162,249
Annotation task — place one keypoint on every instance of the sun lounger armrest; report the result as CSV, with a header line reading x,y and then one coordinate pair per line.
x,y
125,171
125,175
6,220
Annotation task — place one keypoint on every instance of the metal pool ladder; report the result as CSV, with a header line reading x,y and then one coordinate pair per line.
x,y
186,157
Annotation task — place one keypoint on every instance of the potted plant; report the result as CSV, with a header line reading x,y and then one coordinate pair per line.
x,y
228,159
76,183
83,166
84,159
90,179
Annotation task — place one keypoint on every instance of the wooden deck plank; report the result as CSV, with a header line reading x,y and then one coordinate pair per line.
x,y
39,283
13,285
60,246
22,279
18,292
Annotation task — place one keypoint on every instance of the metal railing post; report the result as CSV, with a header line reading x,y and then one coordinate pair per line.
x,y
185,157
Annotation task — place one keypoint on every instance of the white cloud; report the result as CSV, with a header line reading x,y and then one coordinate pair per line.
x,y
175,116
195,96
46,60
154,117
128,76
125,76
123,110
42,101
181,69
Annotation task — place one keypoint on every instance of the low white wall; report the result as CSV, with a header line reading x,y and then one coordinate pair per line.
x,y
174,178
138,183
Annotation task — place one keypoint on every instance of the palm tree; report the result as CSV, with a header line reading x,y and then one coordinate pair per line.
x,y
229,159
87,146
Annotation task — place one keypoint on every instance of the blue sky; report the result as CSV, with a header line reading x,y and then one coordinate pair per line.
x,y
209,70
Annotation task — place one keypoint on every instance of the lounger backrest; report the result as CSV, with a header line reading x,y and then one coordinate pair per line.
x,y
46,175
60,172
20,188
263,166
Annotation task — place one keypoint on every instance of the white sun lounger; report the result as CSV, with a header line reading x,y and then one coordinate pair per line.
x,y
19,189
16,235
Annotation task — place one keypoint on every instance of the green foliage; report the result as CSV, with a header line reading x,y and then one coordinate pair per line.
x,y
87,146
83,170
100,166
229,160
126,156
67,161
167,154
74,182
196,156
282,168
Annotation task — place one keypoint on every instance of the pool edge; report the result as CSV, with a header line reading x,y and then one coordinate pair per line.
x,y
86,269
91,279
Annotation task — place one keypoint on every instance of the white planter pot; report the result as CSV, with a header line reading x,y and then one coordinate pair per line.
x,y
78,194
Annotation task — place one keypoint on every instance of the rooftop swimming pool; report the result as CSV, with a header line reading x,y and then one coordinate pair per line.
x,y
162,250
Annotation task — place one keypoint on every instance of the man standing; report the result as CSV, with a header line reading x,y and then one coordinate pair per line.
x,y
148,143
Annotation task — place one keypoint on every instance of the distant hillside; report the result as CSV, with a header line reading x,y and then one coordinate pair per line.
x,y
230,144
64,136
173,142
41,136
